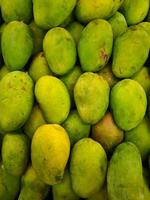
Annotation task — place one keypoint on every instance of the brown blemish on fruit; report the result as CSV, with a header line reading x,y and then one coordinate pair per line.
x,y
103,54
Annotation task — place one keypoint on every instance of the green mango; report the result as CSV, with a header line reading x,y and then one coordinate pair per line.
x,y
118,23
75,127
17,51
135,11
145,26
125,62
34,121
95,45
48,14
67,21
101,195
88,167
39,67
15,153
60,50
63,190
124,176
16,100
128,103
16,10
3,71
140,136
9,185
75,29
53,98
91,94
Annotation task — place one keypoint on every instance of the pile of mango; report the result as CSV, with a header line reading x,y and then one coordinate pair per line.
x,y
75,99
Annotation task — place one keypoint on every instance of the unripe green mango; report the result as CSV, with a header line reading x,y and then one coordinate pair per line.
x,y
19,10
3,71
60,50
68,20
124,176
17,51
145,26
95,45
101,195
15,153
48,14
129,55
135,11
53,98
128,103
16,100
87,167
91,94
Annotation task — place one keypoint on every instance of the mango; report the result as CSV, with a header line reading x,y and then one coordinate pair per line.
x,y
35,120
135,11
68,20
91,94
17,51
128,103
39,67
50,150
15,153
63,190
48,14
95,45
88,166
145,26
16,100
118,23
60,50
101,195
17,10
53,98
3,71
75,127
125,62
140,136
124,177
107,133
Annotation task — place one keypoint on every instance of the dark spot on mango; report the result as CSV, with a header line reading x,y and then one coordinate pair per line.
x,y
103,54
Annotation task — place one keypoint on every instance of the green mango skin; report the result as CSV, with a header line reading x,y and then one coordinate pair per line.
x,y
101,195
145,26
88,10
95,45
17,10
91,94
39,67
75,127
49,14
75,29
118,23
140,136
38,35
35,120
15,153
88,166
16,100
128,103
63,190
9,185
60,50
143,78
125,62
16,52
124,176
53,98
135,11
3,71
68,20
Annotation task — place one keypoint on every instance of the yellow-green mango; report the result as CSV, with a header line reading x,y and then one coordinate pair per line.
x,y
88,166
17,51
16,100
3,71
63,190
145,26
60,50
91,94
15,153
128,104
53,98
50,153
68,20
19,10
129,55
124,176
51,13
135,11
95,45
101,195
